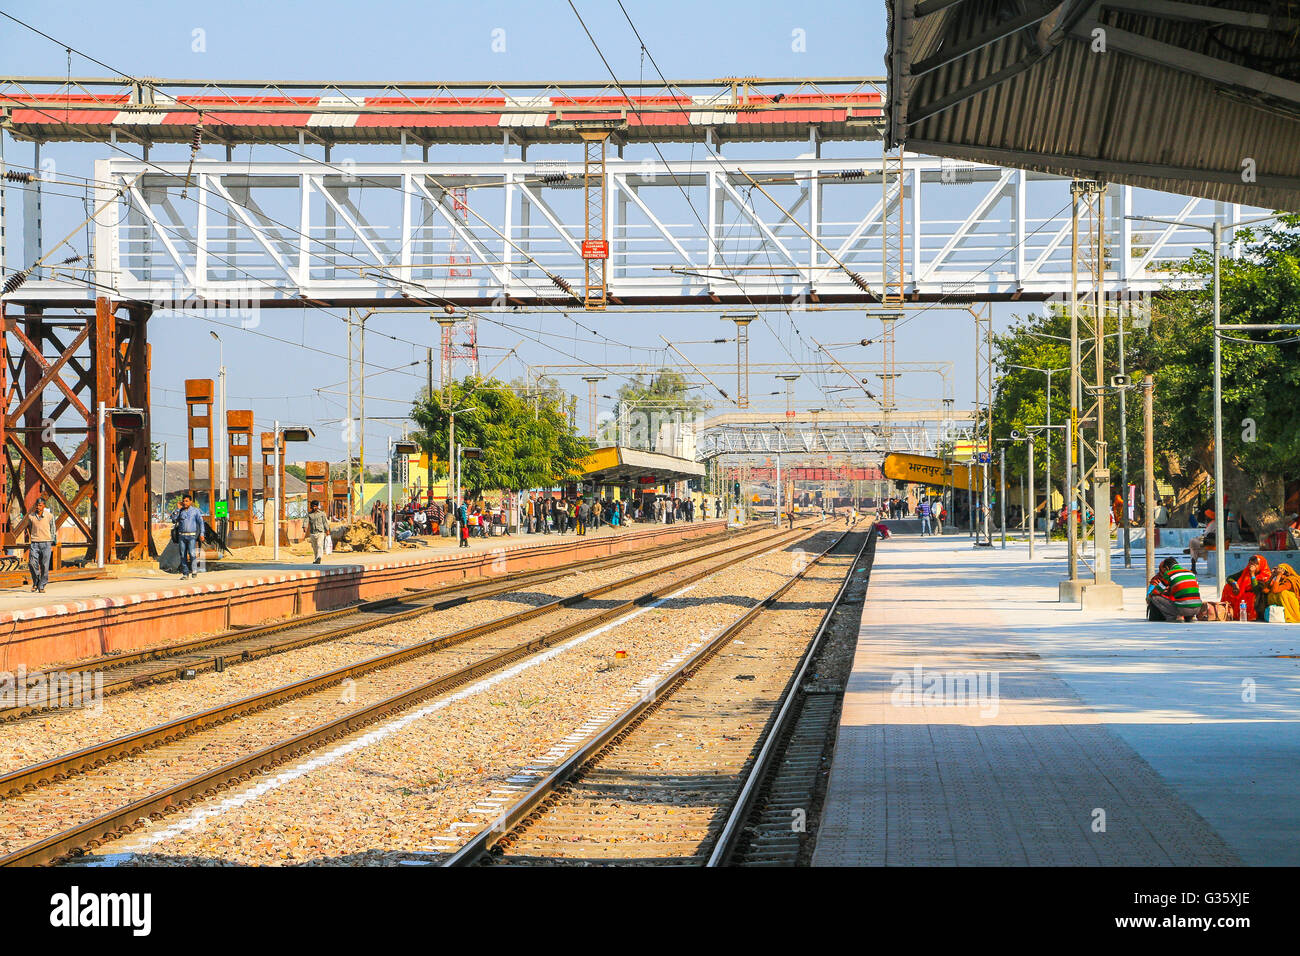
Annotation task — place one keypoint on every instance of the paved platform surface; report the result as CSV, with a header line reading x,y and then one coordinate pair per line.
x,y
1179,739
136,579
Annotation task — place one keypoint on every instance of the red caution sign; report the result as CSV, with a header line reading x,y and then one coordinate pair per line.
x,y
595,248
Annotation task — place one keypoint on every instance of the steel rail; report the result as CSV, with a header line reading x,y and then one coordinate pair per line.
x,y
441,598
607,735
758,768
61,767
124,819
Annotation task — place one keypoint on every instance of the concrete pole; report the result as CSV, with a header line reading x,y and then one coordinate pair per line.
x,y
1047,483
1123,451
101,496
1220,515
1149,477
1002,495
1072,538
970,499
389,520
1030,441
451,468
777,496
428,471
275,521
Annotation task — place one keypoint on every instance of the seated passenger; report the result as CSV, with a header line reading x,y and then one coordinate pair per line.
x,y
1247,588
1283,590
1174,593
1206,542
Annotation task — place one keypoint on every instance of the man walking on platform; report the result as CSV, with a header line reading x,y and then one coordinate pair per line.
x,y
40,537
318,526
189,535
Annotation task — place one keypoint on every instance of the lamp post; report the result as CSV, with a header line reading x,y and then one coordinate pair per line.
x,y
1029,440
286,433
453,472
164,479
1002,485
402,447
1221,518
223,443
1048,464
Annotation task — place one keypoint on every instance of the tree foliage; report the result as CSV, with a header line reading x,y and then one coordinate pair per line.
x,y
527,440
1261,375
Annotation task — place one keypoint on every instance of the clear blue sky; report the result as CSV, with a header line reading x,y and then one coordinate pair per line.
x,y
444,41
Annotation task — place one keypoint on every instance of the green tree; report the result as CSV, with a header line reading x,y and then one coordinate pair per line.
x,y
1261,374
527,441
1020,401
1261,378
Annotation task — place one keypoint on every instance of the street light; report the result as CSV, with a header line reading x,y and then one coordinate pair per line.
x,y
1048,469
1221,518
285,433
776,497
453,472
402,447
223,444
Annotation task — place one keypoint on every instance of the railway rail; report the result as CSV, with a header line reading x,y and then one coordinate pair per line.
x,y
41,793
604,800
124,672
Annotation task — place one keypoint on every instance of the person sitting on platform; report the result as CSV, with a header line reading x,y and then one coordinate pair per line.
x,y
1247,588
1174,593
1200,547
1283,590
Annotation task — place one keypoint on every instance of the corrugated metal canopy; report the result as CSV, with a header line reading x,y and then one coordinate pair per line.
x,y
619,465
1177,95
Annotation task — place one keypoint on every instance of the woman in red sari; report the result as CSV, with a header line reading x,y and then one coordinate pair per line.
x,y
1247,585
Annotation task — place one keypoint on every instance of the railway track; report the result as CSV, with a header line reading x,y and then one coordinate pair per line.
x,y
197,755
128,671
675,777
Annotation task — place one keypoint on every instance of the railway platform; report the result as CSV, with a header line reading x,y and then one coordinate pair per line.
x,y
145,607
984,723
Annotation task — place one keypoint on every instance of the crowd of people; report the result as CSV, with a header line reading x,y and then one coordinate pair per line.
x,y
1173,594
931,511
538,513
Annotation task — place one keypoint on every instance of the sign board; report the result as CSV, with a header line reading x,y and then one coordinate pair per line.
x,y
221,510
924,470
985,458
595,248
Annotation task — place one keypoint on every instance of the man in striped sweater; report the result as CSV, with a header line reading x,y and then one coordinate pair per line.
x,y
1174,592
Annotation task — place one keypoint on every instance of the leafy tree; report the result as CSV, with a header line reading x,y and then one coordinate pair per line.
x,y
1021,398
1261,378
1261,374
527,442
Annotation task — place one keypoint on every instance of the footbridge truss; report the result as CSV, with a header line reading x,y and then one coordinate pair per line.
x,y
864,435
802,232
